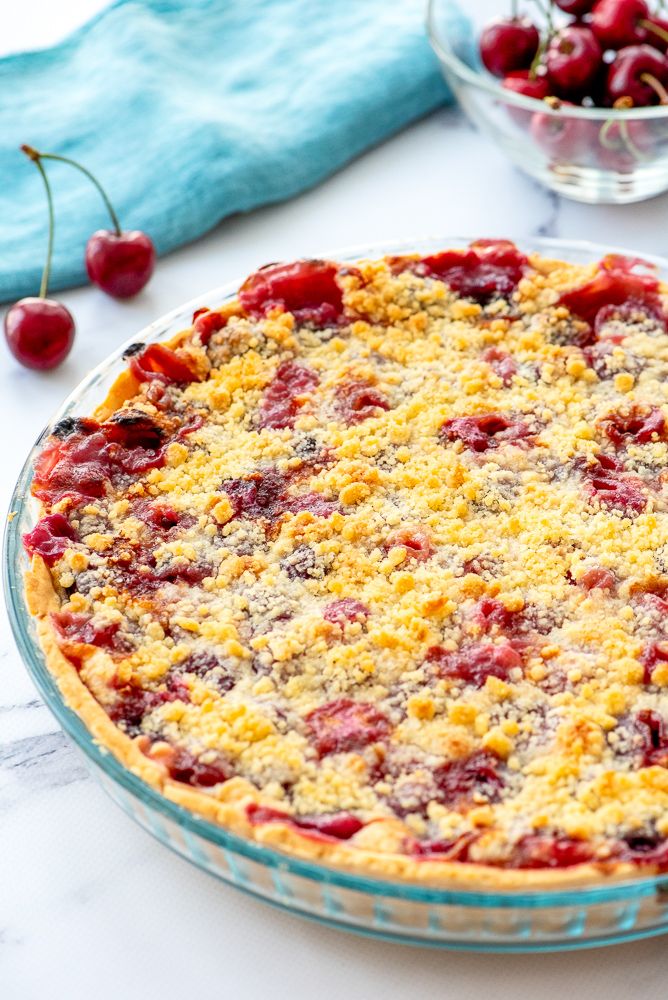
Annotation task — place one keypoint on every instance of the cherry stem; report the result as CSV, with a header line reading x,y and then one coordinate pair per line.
x,y
656,86
33,155
91,177
659,32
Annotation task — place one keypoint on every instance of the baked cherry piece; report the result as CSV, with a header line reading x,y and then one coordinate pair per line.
x,y
488,269
345,725
508,44
618,282
573,59
640,74
617,23
40,331
306,288
485,432
474,663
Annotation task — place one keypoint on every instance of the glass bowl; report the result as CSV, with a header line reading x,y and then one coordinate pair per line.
x,y
593,155
510,921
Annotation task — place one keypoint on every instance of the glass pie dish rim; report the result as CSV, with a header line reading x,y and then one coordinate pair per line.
x,y
14,562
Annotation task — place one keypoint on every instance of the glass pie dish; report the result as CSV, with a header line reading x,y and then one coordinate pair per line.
x,y
473,919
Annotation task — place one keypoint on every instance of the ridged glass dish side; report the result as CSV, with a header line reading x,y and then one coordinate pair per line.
x,y
478,921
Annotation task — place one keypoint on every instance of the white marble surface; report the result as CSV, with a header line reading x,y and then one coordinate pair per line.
x,y
90,905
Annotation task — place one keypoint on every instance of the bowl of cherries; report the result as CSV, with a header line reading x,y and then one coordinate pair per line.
x,y
574,91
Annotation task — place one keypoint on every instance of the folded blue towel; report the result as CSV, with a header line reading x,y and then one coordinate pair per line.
x,y
190,110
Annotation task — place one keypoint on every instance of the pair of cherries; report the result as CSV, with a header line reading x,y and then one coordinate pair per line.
x,y
611,55
40,330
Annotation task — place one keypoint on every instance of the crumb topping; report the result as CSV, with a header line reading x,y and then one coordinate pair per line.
x,y
396,547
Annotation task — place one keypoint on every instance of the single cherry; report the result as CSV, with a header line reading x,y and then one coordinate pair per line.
x,y
657,32
617,23
118,262
508,44
40,331
521,82
638,74
575,7
562,138
573,59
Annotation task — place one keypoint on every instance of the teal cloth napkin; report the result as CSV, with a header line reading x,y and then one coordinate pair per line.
x,y
191,110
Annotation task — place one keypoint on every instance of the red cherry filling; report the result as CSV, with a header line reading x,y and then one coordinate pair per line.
x,y
546,851
133,703
280,405
86,459
76,627
50,538
358,400
159,363
651,738
339,826
485,432
192,770
459,779
489,269
638,425
614,488
502,363
598,578
653,654
345,610
450,850
474,663
306,288
489,612
416,541
616,283
264,495
344,725
206,322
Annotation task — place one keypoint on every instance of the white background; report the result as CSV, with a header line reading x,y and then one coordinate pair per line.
x,y
90,905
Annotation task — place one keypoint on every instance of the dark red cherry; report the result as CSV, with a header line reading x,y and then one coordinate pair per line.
x,y
622,144
575,7
120,263
657,32
508,44
521,82
39,332
639,73
617,23
562,137
573,59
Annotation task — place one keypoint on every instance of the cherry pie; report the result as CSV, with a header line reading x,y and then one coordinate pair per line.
x,y
371,565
